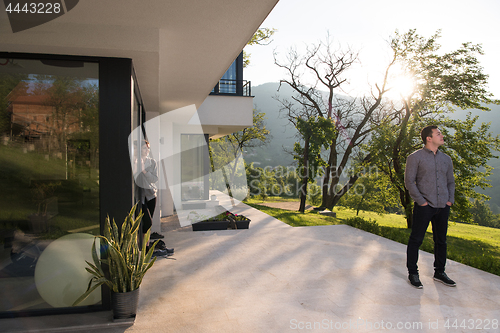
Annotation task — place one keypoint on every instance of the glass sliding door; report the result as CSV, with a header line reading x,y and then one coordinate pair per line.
x,y
49,180
194,167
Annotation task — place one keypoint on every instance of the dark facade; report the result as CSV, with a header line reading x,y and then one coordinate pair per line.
x,y
67,179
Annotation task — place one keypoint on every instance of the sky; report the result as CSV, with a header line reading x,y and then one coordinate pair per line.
x,y
367,25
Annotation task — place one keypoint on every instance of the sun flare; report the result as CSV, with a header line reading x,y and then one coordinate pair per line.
x,y
401,86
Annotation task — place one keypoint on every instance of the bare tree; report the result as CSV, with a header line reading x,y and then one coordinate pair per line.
x,y
354,118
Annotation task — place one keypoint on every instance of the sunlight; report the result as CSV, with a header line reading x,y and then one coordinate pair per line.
x,y
401,86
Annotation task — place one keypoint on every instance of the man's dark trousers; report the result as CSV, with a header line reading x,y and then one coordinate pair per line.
x,y
438,217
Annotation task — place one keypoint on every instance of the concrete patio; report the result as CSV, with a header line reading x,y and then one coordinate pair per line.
x,y
276,278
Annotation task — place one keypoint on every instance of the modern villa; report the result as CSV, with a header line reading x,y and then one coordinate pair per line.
x,y
77,95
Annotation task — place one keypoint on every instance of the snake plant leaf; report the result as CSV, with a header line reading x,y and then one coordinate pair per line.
x,y
120,252
107,228
95,258
88,292
93,270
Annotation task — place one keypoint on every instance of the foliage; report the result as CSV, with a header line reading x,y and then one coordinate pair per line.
x,y
314,195
10,85
261,181
482,214
120,252
316,133
279,181
223,216
441,82
261,37
287,178
369,194
226,152
470,148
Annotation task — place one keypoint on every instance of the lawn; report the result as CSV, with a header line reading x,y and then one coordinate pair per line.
x,y
473,245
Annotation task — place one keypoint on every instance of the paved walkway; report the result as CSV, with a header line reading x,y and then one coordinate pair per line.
x,y
276,278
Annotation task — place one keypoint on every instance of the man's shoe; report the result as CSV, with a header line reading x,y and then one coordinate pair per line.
x,y
414,280
444,279
161,246
160,253
156,235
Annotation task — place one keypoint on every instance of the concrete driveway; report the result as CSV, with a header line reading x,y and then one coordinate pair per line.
x,y
276,278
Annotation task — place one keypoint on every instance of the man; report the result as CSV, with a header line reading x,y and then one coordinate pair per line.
x,y
431,184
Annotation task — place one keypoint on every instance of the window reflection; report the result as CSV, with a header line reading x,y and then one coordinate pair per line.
x,y
49,169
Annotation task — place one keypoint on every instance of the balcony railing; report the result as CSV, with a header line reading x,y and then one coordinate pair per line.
x,y
232,88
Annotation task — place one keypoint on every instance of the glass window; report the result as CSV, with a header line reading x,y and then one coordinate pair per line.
x,y
49,180
194,162
227,84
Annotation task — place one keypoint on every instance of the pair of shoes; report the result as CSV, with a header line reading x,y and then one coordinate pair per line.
x,y
156,235
443,278
414,280
161,253
161,246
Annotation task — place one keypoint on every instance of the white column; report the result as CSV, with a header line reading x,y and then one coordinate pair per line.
x,y
166,166
152,127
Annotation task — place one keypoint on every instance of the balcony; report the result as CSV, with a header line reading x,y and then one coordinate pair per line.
x,y
232,88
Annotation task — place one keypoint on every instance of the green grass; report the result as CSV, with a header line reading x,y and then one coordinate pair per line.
x,y
473,245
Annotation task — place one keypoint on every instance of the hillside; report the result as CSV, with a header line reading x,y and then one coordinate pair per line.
x,y
283,133
489,117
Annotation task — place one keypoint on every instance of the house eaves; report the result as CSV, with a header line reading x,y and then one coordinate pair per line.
x,y
180,49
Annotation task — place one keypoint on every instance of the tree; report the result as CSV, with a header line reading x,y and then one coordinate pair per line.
x,y
369,193
227,151
261,37
317,133
440,82
471,147
10,86
353,118
482,214
66,96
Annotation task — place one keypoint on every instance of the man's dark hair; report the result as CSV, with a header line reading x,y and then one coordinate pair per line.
x,y
427,132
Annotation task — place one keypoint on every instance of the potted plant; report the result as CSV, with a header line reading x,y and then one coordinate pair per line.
x,y
238,221
222,221
202,222
127,264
